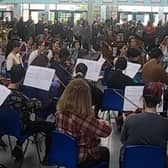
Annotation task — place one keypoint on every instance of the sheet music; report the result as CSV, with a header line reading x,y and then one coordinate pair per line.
x,y
4,93
134,94
101,60
132,69
94,68
39,77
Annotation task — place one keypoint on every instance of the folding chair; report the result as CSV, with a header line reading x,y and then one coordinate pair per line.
x,y
112,101
10,125
143,156
64,152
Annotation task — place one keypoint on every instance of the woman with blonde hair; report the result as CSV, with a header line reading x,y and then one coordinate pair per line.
x,y
76,117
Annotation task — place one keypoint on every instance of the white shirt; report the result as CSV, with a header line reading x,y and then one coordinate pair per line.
x,y
35,53
13,59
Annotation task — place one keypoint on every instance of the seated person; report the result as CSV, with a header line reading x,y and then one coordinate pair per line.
x,y
24,106
46,97
153,70
41,48
122,49
147,128
134,55
61,68
13,57
76,117
116,78
74,52
96,93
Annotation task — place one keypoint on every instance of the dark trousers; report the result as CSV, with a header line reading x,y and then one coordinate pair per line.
x,y
34,127
104,156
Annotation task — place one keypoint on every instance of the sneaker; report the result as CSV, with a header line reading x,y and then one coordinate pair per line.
x,y
17,153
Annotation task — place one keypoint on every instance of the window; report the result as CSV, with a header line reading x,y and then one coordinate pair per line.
x,y
52,6
37,6
25,6
25,15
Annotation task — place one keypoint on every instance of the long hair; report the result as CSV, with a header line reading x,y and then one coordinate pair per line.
x,y
76,98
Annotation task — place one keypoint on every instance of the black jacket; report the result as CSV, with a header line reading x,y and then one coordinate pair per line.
x,y
117,80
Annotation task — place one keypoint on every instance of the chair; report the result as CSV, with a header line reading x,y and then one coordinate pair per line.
x,y
10,125
64,151
143,156
113,99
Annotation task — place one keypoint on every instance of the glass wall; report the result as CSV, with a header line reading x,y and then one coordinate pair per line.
x,y
50,12
142,13
78,10
6,12
25,11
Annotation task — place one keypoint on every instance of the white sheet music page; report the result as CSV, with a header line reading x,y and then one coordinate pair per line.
x,y
4,93
94,68
132,69
134,94
39,77
101,60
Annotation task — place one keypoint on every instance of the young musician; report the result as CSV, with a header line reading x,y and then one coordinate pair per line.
x,y
147,128
76,117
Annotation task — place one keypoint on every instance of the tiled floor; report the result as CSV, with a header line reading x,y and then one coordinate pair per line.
x,y
31,158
